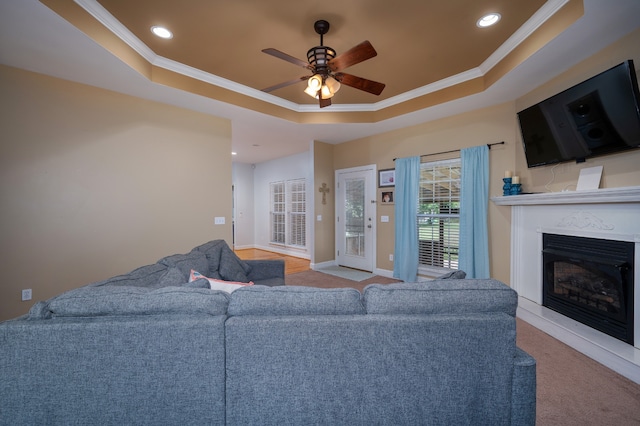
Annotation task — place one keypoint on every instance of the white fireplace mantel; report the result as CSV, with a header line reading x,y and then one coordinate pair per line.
x,y
613,214
630,194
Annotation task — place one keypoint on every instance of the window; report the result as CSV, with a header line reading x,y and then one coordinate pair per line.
x,y
297,212
289,213
277,213
439,215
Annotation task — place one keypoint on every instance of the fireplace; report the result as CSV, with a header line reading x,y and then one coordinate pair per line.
x,y
604,214
591,281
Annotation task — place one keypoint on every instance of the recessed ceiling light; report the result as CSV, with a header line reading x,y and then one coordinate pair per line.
x,y
234,153
488,20
161,32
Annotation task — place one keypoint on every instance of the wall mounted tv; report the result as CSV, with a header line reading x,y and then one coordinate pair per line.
x,y
596,117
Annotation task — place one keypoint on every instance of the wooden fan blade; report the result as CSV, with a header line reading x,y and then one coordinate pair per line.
x,y
353,56
288,58
286,83
324,102
360,83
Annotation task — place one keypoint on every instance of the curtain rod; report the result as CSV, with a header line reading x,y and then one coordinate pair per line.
x,y
489,145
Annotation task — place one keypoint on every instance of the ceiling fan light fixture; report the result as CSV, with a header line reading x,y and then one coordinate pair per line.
x,y
326,92
488,20
315,82
332,84
311,92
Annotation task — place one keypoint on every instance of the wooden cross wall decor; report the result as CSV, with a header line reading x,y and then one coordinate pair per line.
x,y
325,190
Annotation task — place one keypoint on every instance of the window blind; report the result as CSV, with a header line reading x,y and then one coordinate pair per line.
x,y
277,212
438,218
288,213
296,191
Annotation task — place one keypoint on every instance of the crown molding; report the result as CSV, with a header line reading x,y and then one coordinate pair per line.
x,y
103,16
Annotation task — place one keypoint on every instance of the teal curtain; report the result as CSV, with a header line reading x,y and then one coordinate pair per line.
x,y
405,265
474,200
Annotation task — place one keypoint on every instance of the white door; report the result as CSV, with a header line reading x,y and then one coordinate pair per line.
x,y
356,217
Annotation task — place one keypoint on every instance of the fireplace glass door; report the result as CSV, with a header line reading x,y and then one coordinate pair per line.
x,y
591,281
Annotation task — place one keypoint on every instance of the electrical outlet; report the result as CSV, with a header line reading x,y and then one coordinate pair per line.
x,y
26,294
391,257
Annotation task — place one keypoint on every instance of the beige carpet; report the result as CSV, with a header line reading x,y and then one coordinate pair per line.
x,y
572,388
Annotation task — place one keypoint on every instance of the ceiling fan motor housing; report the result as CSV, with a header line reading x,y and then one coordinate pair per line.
x,y
319,58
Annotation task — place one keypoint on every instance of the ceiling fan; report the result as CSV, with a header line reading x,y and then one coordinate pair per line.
x,y
326,68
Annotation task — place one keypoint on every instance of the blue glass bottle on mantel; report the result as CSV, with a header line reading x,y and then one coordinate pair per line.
x,y
506,188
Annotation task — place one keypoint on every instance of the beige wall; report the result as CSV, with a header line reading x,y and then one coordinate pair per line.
x,y
94,183
324,230
488,125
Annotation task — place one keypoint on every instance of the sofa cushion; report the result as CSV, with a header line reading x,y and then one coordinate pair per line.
x,y
199,283
452,275
294,300
232,268
109,300
146,270
270,282
212,251
171,277
147,276
186,262
223,262
441,297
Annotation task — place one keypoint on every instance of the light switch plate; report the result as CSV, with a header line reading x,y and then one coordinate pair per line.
x,y
219,221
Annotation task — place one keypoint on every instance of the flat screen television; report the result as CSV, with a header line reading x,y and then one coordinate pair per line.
x,y
596,117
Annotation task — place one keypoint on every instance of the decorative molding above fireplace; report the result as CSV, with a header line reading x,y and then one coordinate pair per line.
x,y
610,214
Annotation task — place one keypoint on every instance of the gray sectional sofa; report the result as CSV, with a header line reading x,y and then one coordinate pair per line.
x,y
436,353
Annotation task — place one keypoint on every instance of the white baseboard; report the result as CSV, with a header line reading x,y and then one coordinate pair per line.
x,y
315,266
283,250
237,247
383,272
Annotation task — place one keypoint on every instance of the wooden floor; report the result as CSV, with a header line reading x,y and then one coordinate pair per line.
x,y
292,264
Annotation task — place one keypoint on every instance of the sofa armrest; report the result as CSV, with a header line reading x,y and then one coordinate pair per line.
x,y
523,392
264,269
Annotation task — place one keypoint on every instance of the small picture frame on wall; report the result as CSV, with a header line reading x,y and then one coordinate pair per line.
x,y
386,197
386,177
